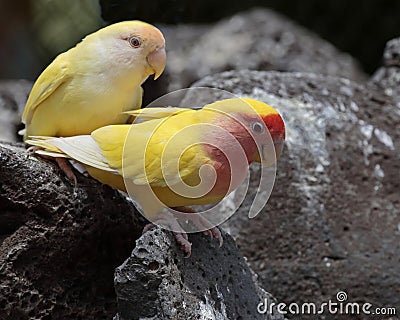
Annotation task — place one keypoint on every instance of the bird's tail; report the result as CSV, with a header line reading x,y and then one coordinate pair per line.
x,y
44,146
82,149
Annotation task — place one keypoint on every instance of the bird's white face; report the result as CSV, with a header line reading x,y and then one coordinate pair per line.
x,y
136,45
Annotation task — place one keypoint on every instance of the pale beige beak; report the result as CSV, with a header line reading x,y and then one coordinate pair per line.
x,y
278,149
267,159
157,60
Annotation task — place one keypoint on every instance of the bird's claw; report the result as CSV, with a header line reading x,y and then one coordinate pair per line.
x,y
66,168
182,239
216,233
171,223
148,227
31,150
201,223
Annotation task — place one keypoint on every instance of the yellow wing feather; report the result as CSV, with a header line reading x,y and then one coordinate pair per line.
x,y
152,113
146,153
54,76
149,157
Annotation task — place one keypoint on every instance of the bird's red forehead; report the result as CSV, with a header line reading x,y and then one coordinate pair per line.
x,y
275,125
273,122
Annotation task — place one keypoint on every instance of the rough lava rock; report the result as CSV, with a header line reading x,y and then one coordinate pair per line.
x,y
59,243
258,39
333,220
156,282
13,95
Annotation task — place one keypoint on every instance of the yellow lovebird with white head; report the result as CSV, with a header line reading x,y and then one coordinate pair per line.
x,y
92,84
178,157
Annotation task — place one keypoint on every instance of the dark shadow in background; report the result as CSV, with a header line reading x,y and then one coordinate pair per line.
x,y
360,27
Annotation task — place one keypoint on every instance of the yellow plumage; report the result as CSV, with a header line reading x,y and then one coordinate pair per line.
x,y
158,153
92,84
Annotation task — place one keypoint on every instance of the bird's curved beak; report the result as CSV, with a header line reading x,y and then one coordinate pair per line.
x,y
157,60
279,148
266,157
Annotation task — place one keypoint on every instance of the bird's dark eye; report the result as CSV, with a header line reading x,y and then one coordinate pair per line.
x,y
257,127
135,42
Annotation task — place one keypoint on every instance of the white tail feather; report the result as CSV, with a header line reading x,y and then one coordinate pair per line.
x,y
79,148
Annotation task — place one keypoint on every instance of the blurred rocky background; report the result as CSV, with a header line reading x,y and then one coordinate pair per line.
x,y
332,222
33,32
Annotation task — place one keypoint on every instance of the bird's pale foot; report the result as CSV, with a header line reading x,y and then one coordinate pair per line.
x,y
170,222
67,169
201,223
31,150
148,227
181,236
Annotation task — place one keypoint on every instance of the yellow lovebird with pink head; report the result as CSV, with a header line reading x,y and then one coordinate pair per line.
x,y
177,157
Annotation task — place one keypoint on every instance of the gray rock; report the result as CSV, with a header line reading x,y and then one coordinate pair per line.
x,y
333,220
157,282
13,95
258,39
59,243
387,77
